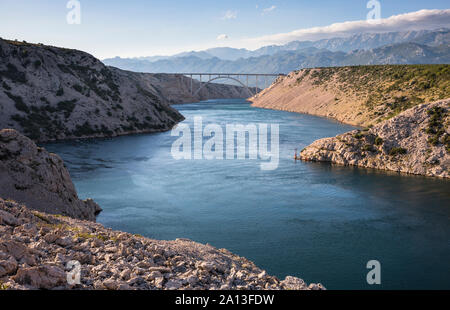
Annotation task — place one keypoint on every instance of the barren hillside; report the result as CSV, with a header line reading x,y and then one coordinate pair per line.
x,y
360,95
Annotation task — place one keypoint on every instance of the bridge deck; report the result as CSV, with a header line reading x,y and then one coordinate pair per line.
x,y
242,74
214,76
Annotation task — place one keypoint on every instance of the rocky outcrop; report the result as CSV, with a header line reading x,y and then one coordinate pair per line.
x,y
31,175
416,141
35,249
50,93
359,95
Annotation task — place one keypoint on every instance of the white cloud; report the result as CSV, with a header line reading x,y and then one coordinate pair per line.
x,y
268,10
420,20
229,15
222,37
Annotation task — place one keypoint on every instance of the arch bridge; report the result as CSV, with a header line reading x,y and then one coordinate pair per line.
x,y
210,77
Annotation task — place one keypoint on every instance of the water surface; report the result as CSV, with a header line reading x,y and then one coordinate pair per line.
x,y
316,221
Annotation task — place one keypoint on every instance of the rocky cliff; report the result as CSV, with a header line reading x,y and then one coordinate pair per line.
x,y
361,95
51,93
31,175
35,249
416,141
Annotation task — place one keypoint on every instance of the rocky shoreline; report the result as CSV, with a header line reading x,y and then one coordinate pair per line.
x,y
416,141
35,249
393,102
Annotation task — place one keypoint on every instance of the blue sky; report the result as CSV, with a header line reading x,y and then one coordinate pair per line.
x,y
142,28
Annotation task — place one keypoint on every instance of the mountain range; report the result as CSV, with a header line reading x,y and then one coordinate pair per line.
x,y
412,47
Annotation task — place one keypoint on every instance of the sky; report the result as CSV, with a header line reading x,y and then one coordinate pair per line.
x,y
134,28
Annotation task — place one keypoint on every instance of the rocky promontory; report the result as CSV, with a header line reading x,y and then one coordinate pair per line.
x,y
39,251
31,175
416,141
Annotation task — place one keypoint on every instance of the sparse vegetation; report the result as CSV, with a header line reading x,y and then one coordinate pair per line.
x,y
6,86
94,79
13,74
67,107
358,135
436,128
41,217
368,148
378,141
84,130
19,104
3,286
397,151
389,89
37,64
60,92
85,235
306,72
78,88
38,120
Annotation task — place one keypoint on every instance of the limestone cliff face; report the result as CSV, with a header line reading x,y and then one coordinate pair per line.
x,y
50,93
31,175
416,141
361,95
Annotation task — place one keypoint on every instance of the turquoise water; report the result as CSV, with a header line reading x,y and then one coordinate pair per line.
x,y
316,221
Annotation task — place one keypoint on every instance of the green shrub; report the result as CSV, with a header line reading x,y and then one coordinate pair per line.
x,y
358,135
84,130
3,286
435,128
78,88
6,86
378,141
368,148
14,74
19,104
397,151
45,100
37,64
67,107
60,92
446,142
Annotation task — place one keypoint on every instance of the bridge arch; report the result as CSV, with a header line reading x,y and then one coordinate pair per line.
x,y
224,77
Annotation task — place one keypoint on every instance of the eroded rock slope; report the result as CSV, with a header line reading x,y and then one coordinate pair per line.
x,y
416,141
31,175
358,95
